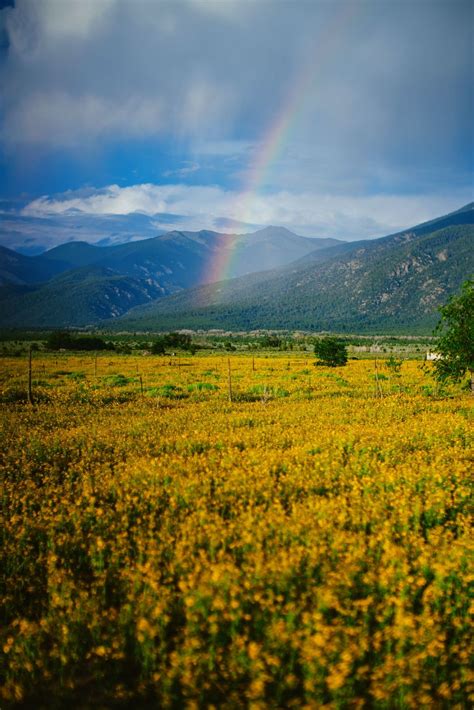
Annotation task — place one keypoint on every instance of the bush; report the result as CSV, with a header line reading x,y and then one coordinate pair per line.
x,y
393,364
330,351
63,340
270,341
158,347
59,340
118,380
180,341
91,343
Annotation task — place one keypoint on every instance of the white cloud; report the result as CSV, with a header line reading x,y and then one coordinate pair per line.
x,y
203,207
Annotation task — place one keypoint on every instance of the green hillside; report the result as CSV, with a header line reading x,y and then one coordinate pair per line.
x,y
19,269
81,297
392,284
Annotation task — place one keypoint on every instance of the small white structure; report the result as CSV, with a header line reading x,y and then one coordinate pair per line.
x,y
433,356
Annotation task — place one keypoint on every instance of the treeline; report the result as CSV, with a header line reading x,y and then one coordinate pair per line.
x,y
63,340
168,343
173,341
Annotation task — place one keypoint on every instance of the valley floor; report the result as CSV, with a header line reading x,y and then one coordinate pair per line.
x,y
303,545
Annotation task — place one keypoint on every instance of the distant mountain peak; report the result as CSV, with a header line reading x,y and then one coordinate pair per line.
x,y
273,229
73,244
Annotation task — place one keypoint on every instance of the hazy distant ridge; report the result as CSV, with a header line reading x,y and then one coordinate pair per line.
x,y
155,267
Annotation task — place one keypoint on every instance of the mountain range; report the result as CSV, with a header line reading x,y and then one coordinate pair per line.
x,y
392,284
276,279
80,284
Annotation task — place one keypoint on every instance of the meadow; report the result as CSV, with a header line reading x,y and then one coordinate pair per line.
x,y
304,542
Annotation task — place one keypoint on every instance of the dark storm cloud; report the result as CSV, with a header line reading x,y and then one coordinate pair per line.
x,y
392,76
376,95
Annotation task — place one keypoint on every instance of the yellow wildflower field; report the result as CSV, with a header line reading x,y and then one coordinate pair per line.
x,y
304,545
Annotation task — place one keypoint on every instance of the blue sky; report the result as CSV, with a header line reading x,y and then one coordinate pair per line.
x,y
332,118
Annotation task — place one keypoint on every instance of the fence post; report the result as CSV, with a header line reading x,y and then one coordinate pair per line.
x,y
378,385
30,392
230,379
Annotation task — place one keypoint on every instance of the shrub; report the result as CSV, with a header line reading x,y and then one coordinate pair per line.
x,y
330,351
159,347
63,340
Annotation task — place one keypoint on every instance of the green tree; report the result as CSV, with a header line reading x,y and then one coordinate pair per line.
x,y
180,341
91,342
455,344
330,351
63,340
59,340
158,347
270,341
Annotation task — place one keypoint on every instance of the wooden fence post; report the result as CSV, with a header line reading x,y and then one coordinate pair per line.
x,y
377,381
230,379
30,392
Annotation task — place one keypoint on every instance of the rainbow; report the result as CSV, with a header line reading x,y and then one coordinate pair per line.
x,y
279,132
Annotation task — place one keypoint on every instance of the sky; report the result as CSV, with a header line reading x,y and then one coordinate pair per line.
x,y
340,118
